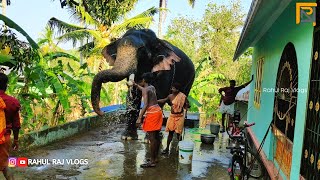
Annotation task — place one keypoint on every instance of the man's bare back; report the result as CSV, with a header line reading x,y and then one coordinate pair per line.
x,y
149,93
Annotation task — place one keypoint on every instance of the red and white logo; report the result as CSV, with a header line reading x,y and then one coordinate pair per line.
x,y
22,162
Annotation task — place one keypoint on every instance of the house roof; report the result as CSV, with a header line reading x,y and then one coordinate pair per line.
x,y
261,16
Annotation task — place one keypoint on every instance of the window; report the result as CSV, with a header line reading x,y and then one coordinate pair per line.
x,y
257,88
285,105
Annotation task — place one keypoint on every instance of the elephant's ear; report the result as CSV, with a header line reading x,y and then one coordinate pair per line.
x,y
165,58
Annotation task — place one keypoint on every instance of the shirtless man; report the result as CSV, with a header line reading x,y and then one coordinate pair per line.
x,y
153,119
178,102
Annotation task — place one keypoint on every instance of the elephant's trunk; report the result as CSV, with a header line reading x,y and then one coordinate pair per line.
x,y
125,64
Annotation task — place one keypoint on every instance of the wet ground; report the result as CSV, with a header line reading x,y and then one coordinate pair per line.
x,y
101,154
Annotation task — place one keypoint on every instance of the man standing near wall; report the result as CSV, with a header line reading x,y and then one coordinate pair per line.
x,y
11,107
228,98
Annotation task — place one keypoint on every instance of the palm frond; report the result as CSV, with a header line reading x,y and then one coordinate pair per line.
x,y
54,55
140,21
42,41
62,26
15,26
148,13
46,36
75,36
96,51
86,49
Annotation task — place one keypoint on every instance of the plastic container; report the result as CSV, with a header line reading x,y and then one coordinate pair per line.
x,y
185,152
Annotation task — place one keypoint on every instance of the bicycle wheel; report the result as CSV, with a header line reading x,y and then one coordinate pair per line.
x,y
236,168
254,165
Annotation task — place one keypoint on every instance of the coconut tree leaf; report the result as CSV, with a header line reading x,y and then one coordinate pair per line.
x,y
139,21
54,55
80,35
62,26
86,48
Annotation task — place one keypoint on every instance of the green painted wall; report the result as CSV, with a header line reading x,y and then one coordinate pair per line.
x,y
270,47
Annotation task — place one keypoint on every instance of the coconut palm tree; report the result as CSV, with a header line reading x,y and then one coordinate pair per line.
x,y
95,34
163,13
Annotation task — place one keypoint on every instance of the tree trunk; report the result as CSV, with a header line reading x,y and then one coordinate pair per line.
x,y
162,16
4,7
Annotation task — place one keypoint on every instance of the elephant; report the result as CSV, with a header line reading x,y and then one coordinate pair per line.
x,y
138,52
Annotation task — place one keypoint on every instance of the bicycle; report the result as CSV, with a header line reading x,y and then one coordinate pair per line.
x,y
233,123
244,162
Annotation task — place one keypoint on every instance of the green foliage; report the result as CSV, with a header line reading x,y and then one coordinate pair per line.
x,y
19,52
42,79
8,22
101,11
211,43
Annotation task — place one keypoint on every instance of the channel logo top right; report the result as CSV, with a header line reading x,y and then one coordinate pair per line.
x,y
306,12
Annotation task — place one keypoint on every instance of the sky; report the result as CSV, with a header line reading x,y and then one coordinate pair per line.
x,y
33,15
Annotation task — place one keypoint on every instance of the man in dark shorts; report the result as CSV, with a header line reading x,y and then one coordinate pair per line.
x,y
153,116
11,108
228,98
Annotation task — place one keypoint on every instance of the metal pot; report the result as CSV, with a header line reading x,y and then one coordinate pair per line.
x,y
207,138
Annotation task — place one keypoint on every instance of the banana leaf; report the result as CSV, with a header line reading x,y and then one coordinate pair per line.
x,y
15,26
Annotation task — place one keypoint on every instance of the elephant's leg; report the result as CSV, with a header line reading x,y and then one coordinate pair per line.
x,y
133,109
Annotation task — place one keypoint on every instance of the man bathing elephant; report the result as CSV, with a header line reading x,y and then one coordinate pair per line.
x,y
138,52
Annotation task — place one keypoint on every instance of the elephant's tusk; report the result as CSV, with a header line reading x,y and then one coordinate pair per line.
x,y
131,78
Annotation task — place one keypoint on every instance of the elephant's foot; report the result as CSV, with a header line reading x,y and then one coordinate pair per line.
x,y
129,135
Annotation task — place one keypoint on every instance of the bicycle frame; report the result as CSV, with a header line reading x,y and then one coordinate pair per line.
x,y
240,152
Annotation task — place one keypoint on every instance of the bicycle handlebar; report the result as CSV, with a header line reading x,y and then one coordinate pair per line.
x,y
249,125
238,136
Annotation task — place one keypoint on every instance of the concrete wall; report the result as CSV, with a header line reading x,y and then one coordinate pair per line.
x,y
270,47
52,134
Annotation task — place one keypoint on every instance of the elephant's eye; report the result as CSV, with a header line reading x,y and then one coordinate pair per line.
x,y
159,58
